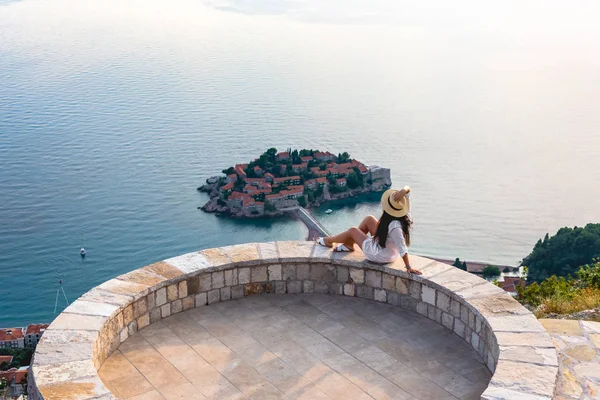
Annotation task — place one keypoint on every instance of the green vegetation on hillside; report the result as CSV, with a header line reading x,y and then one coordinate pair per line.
x,y
460,264
563,253
490,271
21,357
564,295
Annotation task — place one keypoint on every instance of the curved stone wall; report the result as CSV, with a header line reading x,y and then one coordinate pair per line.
x,y
510,340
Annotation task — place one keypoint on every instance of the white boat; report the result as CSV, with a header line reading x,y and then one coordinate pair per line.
x,y
82,252
328,211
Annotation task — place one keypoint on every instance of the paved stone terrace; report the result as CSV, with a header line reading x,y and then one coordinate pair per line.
x,y
306,346
578,346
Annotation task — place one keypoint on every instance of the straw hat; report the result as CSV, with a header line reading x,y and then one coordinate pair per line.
x,y
392,207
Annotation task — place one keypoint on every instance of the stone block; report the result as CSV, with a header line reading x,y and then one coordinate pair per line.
x,y
321,287
459,327
464,314
176,307
323,273
155,315
201,299
218,280
128,314
562,327
468,333
478,323
172,292
132,327
525,378
259,274
231,277
188,303
538,355
349,289
161,296
380,295
422,308
183,289
308,286
402,286
143,321
336,288
373,278
455,308
434,314
243,276
165,310
214,296
252,289
357,276
365,292
288,271
193,286
303,272
393,298
414,290
123,335
388,282
294,287
471,320
448,320
243,254
408,303
428,295
280,287
204,282
237,292
225,293
443,302
275,273
140,308
343,275
151,301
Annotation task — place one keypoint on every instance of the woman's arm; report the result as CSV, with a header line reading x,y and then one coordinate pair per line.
x,y
408,267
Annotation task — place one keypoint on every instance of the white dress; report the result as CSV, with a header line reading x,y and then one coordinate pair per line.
x,y
394,246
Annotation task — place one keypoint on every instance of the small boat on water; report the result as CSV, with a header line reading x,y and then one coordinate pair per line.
x,y
82,252
328,211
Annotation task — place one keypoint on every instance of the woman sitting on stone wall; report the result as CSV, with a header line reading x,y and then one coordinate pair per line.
x,y
390,235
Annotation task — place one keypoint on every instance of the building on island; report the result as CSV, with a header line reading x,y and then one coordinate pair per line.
x,y
12,338
16,378
33,333
286,179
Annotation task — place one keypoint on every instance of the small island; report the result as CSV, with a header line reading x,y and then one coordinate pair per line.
x,y
278,182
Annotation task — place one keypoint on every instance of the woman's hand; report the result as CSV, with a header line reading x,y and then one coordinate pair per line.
x,y
413,271
401,193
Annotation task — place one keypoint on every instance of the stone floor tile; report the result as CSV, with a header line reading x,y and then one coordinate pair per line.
x,y
238,341
215,352
131,385
311,368
288,350
337,387
562,326
164,375
187,391
306,391
265,391
262,347
116,366
419,386
151,395
324,350
256,354
243,377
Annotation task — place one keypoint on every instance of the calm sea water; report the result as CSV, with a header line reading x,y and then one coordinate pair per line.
x,y
113,112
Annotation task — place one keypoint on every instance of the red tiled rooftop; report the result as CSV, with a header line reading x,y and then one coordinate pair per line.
x,y
11,334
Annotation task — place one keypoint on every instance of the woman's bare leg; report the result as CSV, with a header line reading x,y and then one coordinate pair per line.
x,y
369,225
348,238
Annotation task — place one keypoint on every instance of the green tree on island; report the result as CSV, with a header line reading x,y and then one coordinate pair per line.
x,y
563,253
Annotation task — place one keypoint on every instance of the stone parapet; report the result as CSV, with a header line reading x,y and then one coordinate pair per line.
x,y
510,340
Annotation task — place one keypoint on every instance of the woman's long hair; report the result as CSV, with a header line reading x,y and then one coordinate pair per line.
x,y
384,226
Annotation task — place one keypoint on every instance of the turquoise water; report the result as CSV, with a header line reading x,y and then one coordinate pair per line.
x,y
112,113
